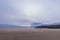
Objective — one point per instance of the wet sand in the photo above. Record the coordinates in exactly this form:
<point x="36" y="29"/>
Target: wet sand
<point x="29" y="34"/>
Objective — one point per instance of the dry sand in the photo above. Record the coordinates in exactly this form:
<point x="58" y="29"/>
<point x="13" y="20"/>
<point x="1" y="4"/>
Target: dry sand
<point x="29" y="34"/>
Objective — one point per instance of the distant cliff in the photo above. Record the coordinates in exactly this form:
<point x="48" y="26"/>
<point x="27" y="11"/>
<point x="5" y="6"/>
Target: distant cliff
<point x="49" y="26"/>
<point x="34" y="24"/>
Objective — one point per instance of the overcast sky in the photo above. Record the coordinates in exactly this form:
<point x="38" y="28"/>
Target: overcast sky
<point x="27" y="11"/>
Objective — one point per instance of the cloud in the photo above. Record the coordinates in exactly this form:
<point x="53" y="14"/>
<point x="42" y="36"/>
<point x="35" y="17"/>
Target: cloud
<point x="12" y="11"/>
<point x="48" y="12"/>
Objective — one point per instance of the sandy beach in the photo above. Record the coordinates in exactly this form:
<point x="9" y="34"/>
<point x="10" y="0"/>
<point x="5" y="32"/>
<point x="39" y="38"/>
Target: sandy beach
<point x="29" y="34"/>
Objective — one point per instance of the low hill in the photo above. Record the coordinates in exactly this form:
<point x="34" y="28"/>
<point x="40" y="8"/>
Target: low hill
<point x="9" y="26"/>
